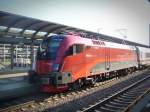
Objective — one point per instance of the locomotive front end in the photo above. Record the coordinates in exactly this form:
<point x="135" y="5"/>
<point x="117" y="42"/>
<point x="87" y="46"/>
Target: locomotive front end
<point x="49" y="61"/>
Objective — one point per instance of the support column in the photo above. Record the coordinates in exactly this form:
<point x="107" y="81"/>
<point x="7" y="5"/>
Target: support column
<point x="32" y="54"/>
<point x="12" y="56"/>
<point x="16" y="63"/>
<point x="26" y="55"/>
<point x="4" y="53"/>
<point x="149" y="35"/>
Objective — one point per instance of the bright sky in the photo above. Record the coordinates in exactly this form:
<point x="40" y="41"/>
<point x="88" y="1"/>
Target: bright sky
<point x="105" y="16"/>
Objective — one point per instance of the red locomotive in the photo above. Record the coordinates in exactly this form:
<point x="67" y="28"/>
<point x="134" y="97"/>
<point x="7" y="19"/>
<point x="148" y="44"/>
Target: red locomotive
<point x="70" y="61"/>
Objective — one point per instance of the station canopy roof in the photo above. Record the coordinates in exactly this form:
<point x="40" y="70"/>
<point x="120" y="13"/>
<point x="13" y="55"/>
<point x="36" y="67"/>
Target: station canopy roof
<point x="25" y="28"/>
<point x="32" y="27"/>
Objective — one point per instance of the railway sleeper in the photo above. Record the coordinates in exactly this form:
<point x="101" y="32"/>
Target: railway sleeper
<point x="134" y="92"/>
<point x="128" y="97"/>
<point x="114" y="107"/>
<point x="129" y="94"/>
<point x="137" y="92"/>
<point x="118" y="104"/>
<point x="97" y="111"/>
<point x="142" y="88"/>
<point x="122" y="102"/>
<point x="125" y="100"/>
<point x="106" y="109"/>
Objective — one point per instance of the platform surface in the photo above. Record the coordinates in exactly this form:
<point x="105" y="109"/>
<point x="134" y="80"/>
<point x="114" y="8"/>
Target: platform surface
<point x="15" y="86"/>
<point x="13" y="75"/>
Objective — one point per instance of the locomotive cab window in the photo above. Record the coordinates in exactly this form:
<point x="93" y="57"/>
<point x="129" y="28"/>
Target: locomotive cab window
<point x="75" y="49"/>
<point x="78" y="48"/>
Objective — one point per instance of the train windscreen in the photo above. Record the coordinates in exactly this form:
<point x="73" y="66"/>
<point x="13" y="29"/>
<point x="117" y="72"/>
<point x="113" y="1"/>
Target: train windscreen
<point x="48" y="49"/>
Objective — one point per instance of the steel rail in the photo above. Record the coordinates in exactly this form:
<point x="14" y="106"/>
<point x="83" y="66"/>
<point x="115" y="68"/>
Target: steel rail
<point x="116" y="96"/>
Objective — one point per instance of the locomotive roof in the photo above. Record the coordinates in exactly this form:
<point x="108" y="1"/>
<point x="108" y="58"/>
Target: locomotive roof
<point x="98" y="43"/>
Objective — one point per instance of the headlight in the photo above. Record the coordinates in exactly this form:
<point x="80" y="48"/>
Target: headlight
<point x="55" y="67"/>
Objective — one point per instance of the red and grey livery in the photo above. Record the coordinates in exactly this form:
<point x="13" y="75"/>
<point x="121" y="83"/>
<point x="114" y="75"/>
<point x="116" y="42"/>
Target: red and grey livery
<point x="68" y="61"/>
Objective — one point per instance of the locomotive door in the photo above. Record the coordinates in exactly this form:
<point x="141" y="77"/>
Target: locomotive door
<point x="107" y="58"/>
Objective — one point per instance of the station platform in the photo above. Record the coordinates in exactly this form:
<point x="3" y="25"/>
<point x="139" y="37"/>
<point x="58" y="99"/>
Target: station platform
<point x="15" y="70"/>
<point x="15" y="85"/>
<point x="13" y="75"/>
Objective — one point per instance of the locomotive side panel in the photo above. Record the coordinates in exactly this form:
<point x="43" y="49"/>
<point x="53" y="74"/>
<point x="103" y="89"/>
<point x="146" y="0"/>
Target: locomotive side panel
<point x="115" y="59"/>
<point x="95" y="60"/>
<point x="74" y="64"/>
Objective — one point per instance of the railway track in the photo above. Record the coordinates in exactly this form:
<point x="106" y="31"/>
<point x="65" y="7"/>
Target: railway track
<point x="123" y="100"/>
<point x="42" y="103"/>
<point x="19" y="106"/>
